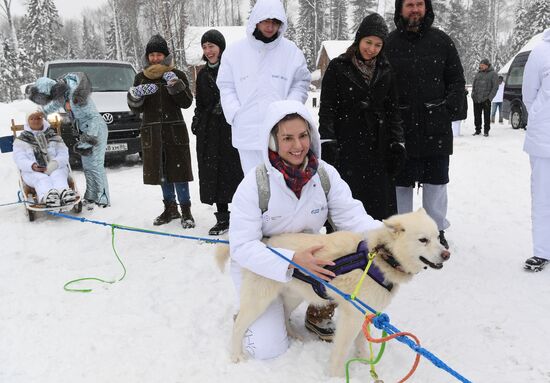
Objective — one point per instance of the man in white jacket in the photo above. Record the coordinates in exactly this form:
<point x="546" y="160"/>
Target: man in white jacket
<point x="257" y="70"/>
<point x="536" y="96"/>
<point x="287" y="213"/>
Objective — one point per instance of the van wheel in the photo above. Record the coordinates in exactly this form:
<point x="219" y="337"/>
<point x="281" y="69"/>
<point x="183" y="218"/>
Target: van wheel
<point x="516" y="118"/>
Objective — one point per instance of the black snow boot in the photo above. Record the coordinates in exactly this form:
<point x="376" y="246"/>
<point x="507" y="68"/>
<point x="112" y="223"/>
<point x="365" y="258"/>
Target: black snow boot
<point x="443" y="240"/>
<point x="535" y="263"/>
<point x="222" y="224"/>
<point x="187" y="220"/>
<point x="170" y="212"/>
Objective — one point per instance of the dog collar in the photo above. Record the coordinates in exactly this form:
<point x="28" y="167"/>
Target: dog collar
<point x="346" y="264"/>
<point x="387" y="256"/>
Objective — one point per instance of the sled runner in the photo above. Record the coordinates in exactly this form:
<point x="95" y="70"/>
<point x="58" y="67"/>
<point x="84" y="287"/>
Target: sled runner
<point x="28" y="194"/>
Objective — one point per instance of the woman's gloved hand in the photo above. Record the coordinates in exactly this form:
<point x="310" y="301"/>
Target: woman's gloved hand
<point x="142" y="90"/>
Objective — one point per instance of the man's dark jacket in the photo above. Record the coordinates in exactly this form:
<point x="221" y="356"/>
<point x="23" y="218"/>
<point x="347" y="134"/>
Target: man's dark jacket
<point x="430" y="82"/>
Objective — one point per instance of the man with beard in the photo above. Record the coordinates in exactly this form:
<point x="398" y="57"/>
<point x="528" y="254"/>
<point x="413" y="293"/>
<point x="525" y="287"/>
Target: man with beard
<point x="430" y="81"/>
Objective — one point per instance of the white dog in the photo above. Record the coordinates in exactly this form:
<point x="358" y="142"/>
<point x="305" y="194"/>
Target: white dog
<point x="405" y="245"/>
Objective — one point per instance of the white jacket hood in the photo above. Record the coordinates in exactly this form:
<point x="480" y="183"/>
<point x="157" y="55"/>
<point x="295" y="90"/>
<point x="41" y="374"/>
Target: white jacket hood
<point x="44" y="127"/>
<point x="263" y="10"/>
<point x="275" y="112"/>
<point x="546" y="35"/>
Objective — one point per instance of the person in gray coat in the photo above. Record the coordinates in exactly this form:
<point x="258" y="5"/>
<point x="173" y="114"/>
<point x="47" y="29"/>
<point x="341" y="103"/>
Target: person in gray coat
<point x="484" y="89"/>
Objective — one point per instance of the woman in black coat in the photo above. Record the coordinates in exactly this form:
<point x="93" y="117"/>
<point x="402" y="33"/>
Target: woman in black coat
<point x="219" y="166"/>
<point x="359" y="115"/>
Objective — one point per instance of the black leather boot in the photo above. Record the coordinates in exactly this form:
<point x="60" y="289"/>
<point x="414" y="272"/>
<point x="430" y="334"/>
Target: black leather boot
<point x="222" y="224"/>
<point x="170" y="213"/>
<point x="187" y="220"/>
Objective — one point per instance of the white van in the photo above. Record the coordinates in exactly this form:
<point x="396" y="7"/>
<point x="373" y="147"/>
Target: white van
<point x="110" y="82"/>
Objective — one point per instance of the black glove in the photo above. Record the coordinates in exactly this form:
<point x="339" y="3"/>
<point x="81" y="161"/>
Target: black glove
<point x="83" y="151"/>
<point x="85" y="137"/>
<point x="330" y="152"/>
<point x="396" y="158"/>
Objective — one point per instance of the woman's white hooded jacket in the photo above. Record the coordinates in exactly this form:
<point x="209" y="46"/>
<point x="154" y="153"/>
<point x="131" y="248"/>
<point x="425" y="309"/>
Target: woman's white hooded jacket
<point x="23" y="153"/>
<point x="536" y="96"/>
<point x="253" y="74"/>
<point x="286" y="213"/>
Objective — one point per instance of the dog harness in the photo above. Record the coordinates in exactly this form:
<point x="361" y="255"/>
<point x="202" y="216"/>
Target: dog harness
<point x="346" y="264"/>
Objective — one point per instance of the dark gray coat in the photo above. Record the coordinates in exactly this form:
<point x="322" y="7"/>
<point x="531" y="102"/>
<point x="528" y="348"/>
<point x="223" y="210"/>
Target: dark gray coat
<point x="485" y="85"/>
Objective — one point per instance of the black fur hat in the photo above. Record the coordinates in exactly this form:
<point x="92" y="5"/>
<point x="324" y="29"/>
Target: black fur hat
<point x="157" y="44"/>
<point x="215" y="37"/>
<point x="372" y="25"/>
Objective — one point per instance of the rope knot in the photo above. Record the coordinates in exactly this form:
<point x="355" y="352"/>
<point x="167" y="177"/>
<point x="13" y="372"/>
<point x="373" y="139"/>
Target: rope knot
<point x="381" y="321"/>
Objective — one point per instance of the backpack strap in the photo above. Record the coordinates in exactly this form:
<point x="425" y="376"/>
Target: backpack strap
<point x="262" y="180"/>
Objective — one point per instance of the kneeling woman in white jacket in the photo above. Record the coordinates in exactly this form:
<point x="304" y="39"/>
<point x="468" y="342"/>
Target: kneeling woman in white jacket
<point x="42" y="157"/>
<point x="297" y="204"/>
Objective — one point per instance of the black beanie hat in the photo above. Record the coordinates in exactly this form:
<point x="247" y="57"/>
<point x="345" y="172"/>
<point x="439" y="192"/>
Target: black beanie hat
<point x="157" y="44"/>
<point x="486" y="62"/>
<point x="215" y="37"/>
<point x="372" y="25"/>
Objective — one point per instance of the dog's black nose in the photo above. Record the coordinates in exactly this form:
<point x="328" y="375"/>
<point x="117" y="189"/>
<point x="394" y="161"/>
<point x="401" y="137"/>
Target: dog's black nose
<point x="445" y="254"/>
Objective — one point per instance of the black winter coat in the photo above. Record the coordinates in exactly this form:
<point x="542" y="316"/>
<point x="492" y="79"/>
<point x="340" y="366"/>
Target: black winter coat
<point x="220" y="171"/>
<point x="164" y="138"/>
<point x="364" y="119"/>
<point x="430" y="81"/>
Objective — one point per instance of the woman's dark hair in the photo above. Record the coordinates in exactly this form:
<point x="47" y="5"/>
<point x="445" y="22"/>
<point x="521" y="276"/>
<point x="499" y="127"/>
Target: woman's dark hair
<point x="289" y="117"/>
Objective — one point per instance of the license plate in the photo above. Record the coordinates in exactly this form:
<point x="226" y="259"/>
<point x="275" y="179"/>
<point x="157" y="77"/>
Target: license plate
<point x="117" y="147"/>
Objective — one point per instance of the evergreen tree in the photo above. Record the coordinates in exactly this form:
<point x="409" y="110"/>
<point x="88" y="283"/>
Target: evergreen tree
<point x="359" y="10"/>
<point x="538" y="14"/>
<point x="521" y="32"/>
<point x="42" y="33"/>
<point x="457" y="27"/>
<point x="91" y="44"/>
<point x="442" y="14"/>
<point x="9" y="76"/>
<point x="290" y="32"/>
<point x="310" y="33"/>
<point x="481" y="44"/>
<point x="338" y="20"/>
<point x="111" y="48"/>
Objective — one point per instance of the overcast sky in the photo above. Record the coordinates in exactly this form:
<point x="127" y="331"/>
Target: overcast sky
<point x="68" y="9"/>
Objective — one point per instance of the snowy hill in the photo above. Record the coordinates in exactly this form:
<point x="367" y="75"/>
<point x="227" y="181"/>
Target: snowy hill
<point x="169" y="320"/>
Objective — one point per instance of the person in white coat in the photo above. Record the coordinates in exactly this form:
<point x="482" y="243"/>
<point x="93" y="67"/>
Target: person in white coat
<point x="261" y="68"/>
<point x="536" y="96"/>
<point x="42" y="157"/>
<point x="297" y="204"/>
<point x="497" y="101"/>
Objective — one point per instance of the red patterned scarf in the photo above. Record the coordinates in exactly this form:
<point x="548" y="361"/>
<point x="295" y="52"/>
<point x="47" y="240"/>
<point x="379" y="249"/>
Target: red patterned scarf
<point x="295" y="178"/>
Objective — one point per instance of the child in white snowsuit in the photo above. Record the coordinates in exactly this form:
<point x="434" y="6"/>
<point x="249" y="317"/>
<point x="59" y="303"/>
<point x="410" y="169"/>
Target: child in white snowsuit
<point x="42" y="158"/>
<point x="72" y="92"/>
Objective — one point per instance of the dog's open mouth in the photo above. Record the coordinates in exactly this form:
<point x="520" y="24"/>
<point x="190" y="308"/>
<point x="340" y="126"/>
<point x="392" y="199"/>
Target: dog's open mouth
<point x="436" y="266"/>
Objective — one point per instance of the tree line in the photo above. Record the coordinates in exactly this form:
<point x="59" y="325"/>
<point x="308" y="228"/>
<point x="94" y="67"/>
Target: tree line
<point x="493" y="29"/>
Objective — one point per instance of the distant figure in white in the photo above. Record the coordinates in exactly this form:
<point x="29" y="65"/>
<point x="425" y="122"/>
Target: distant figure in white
<point x="257" y="70"/>
<point x="536" y="96"/>
<point x="497" y="102"/>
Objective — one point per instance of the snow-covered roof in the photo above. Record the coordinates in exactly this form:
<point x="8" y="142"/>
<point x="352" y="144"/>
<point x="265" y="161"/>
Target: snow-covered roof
<point x="527" y="47"/>
<point x="193" y="49"/>
<point x="334" y="48"/>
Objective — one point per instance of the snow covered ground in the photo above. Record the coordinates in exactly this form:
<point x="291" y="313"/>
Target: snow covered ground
<point x="170" y="318"/>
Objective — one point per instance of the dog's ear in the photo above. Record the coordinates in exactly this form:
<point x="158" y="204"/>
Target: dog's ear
<point x="421" y="210"/>
<point x="393" y="225"/>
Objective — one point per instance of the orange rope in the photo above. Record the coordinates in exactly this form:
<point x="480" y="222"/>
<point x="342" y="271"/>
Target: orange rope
<point x="366" y="331"/>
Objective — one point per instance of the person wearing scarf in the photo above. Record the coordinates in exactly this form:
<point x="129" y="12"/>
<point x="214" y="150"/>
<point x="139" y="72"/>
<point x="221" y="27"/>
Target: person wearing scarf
<point x="42" y="158"/>
<point x="219" y="167"/>
<point x="159" y="93"/>
<point x="359" y="117"/>
<point x="297" y="204"/>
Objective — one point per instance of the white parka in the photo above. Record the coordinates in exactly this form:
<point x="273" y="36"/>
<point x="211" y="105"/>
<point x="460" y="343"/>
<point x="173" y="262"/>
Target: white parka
<point x="536" y="96"/>
<point x="23" y="153"/>
<point x="286" y="213"/>
<point x="252" y="74"/>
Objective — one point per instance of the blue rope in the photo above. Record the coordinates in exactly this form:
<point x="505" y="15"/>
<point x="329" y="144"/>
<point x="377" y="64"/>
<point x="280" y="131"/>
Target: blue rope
<point x="381" y="321"/>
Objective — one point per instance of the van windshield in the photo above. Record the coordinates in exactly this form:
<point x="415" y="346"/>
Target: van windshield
<point x="515" y="76"/>
<point x="105" y="77"/>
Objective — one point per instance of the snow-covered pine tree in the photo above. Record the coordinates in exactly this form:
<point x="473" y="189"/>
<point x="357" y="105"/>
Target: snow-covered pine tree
<point x="42" y="33"/>
<point x="310" y="33"/>
<point x="290" y="32"/>
<point x="9" y="80"/>
<point x="338" y="20"/>
<point x="481" y="45"/>
<point x="457" y="27"/>
<point x="442" y="12"/>
<point x="91" y="44"/>
<point x="359" y="10"/>
<point x="538" y="14"/>
<point x="69" y="42"/>
<point x="111" y="47"/>
<point x="522" y="31"/>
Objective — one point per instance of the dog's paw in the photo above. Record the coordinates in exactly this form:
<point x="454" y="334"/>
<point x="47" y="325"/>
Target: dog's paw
<point x="238" y="357"/>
